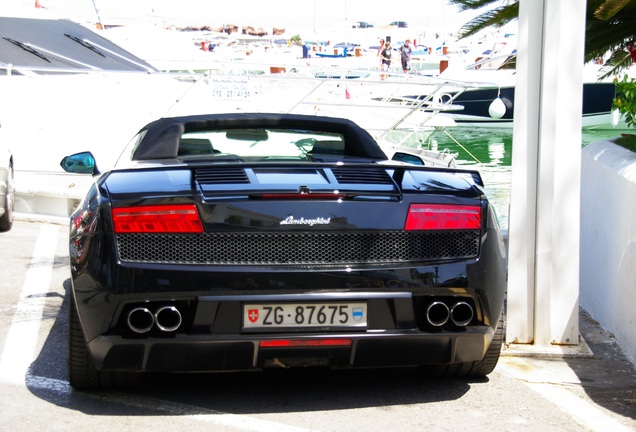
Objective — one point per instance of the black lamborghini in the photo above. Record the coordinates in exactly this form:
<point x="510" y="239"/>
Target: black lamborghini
<point x="234" y="242"/>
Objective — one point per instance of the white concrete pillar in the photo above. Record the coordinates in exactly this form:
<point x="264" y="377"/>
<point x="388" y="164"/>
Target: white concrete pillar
<point x="543" y="281"/>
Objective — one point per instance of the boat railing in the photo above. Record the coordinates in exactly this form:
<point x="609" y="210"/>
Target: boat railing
<point x="406" y="104"/>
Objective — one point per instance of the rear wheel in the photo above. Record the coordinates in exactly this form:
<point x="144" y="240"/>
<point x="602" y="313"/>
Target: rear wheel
<point x="6" y="220"/>
<point x="478" y="368"/>
<point x="82" y="373"/>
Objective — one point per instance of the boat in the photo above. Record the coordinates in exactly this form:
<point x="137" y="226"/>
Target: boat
<point x="268" y="82"/>
<point x="94" y="87"/>
<point x="280" y="80"/>
<point x="486" y="91"/>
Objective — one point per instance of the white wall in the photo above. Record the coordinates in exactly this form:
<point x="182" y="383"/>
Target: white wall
<point x="608" y="240"/>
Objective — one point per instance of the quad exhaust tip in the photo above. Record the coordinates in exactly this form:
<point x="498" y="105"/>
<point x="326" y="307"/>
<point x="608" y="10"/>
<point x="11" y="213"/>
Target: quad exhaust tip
<point x="166" y="318"/>
<point x="140" y="320"/>
<point x="437" y="313"/>
<point x="460" y="314"/>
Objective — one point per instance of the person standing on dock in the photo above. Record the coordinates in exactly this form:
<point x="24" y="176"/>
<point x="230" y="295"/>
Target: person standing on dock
<point x="380" y="47"/>
<point x="379" y="53"/>
<point x="385" y="57"/>
<point x="405" y="54"/>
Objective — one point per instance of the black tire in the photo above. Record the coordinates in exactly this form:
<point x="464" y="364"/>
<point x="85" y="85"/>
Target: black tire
<point x="478" y="368"/>
<point x="82" y="373"/>
<point x="6" y="220"/>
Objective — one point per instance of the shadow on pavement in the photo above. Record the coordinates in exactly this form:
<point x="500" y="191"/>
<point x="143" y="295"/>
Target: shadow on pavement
<point x="609" y="378"/>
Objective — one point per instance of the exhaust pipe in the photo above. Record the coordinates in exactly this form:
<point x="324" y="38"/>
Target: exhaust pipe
<point x="168" y="318"/>
<point x="140" y="320"/>
<point x="461" y="314"/>
<point x="437" y="313"/>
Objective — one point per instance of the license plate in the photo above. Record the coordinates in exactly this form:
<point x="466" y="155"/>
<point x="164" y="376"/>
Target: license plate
<point x="304" y="315"/>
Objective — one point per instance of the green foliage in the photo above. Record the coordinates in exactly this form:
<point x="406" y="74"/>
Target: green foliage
<point x="609" y="8"/>
<point x="496" y="15"/>
<point x="625" y="100"/>
<point x="609" y="27"/>
<point x="296" y="40"/>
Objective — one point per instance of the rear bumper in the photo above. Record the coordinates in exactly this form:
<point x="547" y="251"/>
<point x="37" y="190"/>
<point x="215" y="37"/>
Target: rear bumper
<point x="212" y="337"/>
<point x="198" y="353"/>
<point x="398" y="334"/>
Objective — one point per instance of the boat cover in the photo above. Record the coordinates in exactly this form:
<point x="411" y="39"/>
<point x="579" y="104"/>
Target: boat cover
<point x="59" y="45"/>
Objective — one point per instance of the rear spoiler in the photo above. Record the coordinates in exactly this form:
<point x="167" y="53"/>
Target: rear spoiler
<point x="471" y="176"/>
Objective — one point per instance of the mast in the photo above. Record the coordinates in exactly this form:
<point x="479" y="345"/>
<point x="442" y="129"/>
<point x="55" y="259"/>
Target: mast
<point x="99" y="19"/>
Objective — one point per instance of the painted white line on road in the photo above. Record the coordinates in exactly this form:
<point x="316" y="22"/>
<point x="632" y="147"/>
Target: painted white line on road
<point x="585" y="413"/>
<point x="205" y="415"/>
<point x="19" y="348"/>
<point x="545" y="383"/>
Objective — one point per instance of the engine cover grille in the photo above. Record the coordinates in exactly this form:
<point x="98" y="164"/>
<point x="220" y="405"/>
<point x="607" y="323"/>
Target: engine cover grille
<point x="298" y="248"/>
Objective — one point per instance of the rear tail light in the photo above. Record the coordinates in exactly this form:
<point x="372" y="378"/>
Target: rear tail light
<point x="442" y="217"/>
<point x="157" y="219"/>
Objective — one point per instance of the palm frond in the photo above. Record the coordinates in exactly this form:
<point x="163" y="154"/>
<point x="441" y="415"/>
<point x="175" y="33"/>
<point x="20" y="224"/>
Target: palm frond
<point x="497" y="17"/>
<point x="614" y="34"/>
<point x="609" y="26"/>
<point x="618" y="61"/>
<point x="472" y="4"/>
<point x="609" y="8"/>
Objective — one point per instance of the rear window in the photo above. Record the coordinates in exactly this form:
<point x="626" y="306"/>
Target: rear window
<point x="258" y="144"/>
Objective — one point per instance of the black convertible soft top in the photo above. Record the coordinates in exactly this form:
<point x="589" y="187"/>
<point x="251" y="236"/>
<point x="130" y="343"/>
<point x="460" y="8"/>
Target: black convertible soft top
<point x="161" y="138"/>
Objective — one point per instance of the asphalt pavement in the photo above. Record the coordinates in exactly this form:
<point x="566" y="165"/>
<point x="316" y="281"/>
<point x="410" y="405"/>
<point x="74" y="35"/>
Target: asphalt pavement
<point x="601" y="374"/>
<point x="592" y="390"/>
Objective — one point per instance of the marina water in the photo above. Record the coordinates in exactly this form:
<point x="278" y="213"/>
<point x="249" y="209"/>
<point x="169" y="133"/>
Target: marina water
<point x="490" y="152"/>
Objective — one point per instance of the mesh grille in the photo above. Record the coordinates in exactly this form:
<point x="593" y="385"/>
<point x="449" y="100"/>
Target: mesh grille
<point x="298" y="248"/>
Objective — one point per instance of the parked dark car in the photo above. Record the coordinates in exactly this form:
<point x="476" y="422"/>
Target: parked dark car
<point x="234" y="242"/>
<point x="7" y="188"/>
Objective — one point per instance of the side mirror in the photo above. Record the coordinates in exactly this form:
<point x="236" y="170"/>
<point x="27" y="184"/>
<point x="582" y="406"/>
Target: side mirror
<point x="408" y="158"/>
<point x="80" y="163"/>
